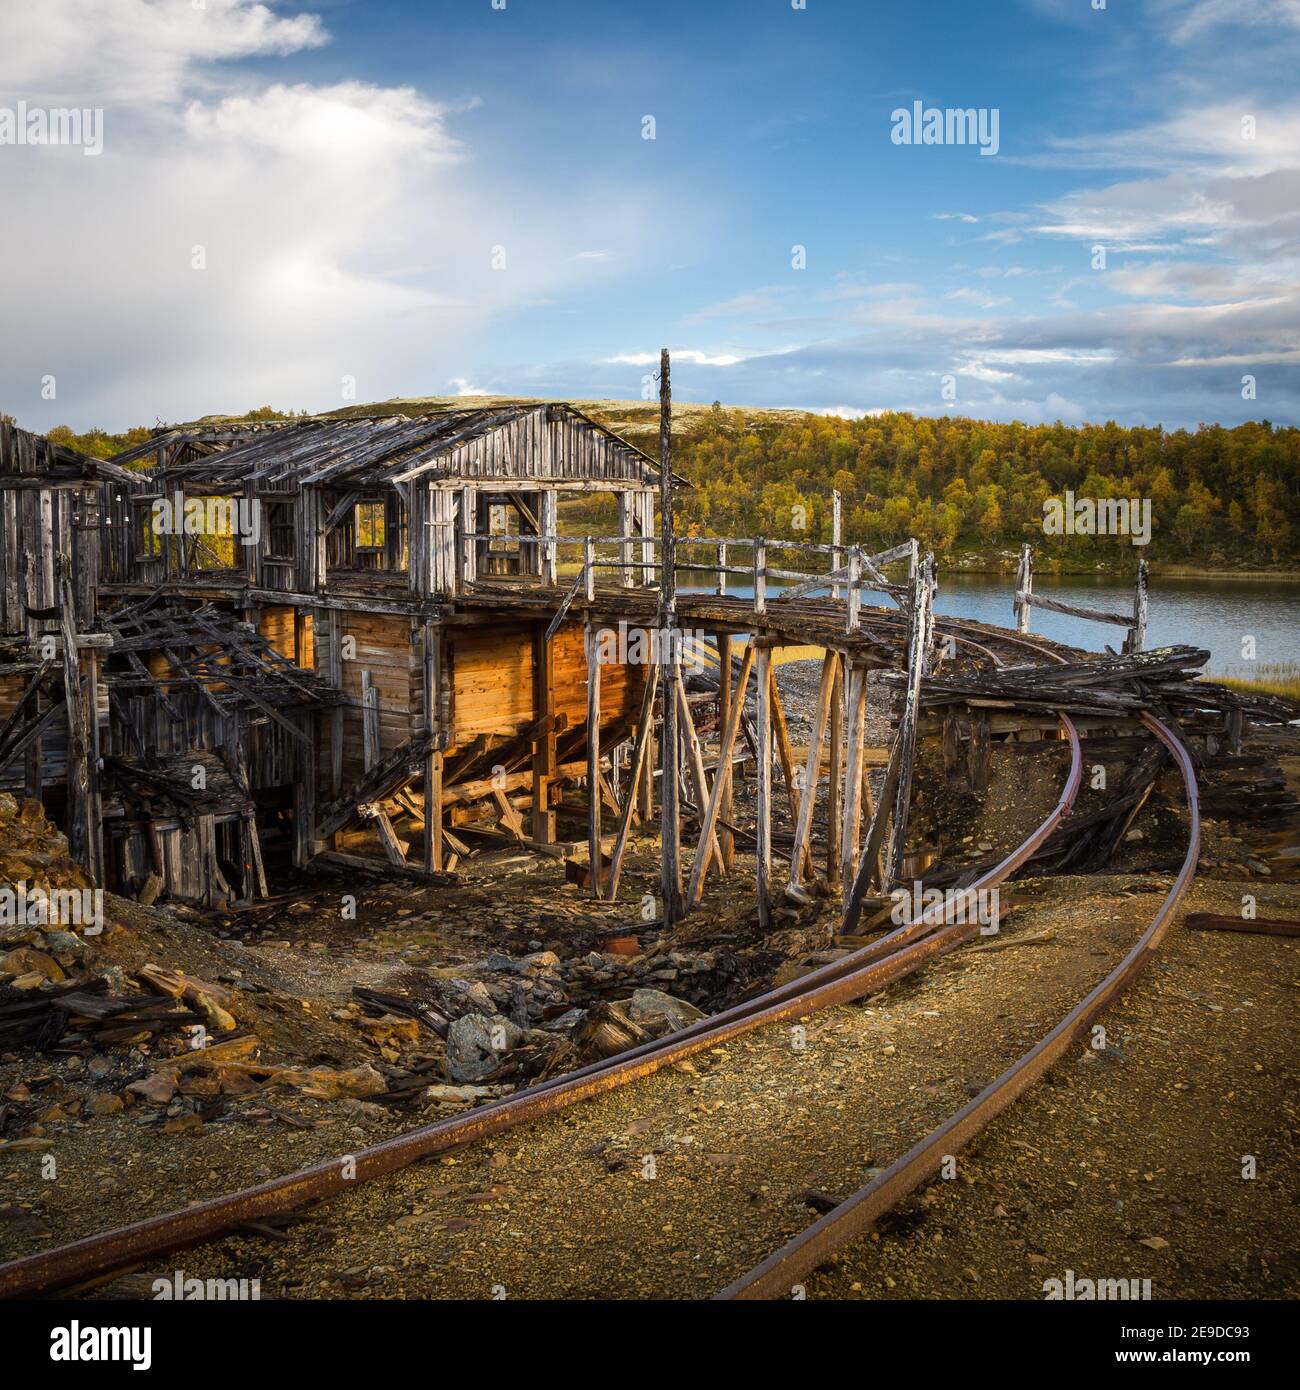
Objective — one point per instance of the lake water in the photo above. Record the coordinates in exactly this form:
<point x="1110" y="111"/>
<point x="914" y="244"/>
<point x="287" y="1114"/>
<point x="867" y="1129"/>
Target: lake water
<point x="1212" y="613"/>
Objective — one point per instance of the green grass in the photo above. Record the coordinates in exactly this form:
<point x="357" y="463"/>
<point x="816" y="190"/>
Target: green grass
<point x="1281" y="678"/>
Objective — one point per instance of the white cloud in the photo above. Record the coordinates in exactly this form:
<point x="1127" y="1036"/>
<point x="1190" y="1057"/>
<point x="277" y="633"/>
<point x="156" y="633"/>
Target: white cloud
<point x="137" y="50"/>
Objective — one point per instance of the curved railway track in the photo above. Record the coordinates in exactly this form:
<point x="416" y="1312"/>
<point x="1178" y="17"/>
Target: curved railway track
<point x="863" y="972"/>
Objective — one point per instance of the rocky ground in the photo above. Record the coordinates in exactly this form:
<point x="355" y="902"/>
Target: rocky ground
<point x="327" y="1029"/>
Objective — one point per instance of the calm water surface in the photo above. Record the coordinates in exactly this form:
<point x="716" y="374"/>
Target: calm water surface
<point x="1212" y="613"/>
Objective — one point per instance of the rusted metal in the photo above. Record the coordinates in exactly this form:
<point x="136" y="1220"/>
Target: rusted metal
<point x="865" y="971"/>
<point x="1258" y="926"/>
<point x="777" y="1275"/>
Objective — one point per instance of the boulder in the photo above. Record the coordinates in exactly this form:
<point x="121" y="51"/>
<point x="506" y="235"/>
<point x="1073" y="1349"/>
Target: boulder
<point x="476" y="1044"/>
<point x="652" y="1008"/>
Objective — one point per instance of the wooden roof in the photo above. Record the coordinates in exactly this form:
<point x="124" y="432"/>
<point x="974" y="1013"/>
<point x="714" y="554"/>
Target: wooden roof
<point x="373" y="451"/>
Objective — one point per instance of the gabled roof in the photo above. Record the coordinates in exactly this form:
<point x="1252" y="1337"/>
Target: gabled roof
<point x="41" y="460"/>
<point x="371" y="451"/>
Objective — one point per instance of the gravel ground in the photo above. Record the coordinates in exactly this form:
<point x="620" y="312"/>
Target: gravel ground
<point x="676" y="1185"/>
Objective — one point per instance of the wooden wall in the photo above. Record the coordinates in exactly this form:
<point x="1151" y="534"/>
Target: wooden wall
<point x="492" y="681"/>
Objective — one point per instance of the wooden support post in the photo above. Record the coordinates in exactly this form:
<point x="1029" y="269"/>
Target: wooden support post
<point x="721" y="585"/>
<point x="636" y="776"/>
<point x="784" y="749"/>
<point x="85" y="836"/>
<point x="760" y="576"/>
<point x="544" y="747"/>
<point x="856" y="708"/>
<point x="837" y="557"/>
<point x="336" y="713"/>
<point x="763" y="848"/>
<point x="722" y="777"/>
<point x="433" y="762"/>
<point x="726" y="840"/>
<point x="670" y="876"/>
<point x="626" y="528"/>
<point x="853" y="618"/>
<point x="593" y="755"/>
<point x="370" y="745"/>
<point x="644" y="791"/>
<point x="907" y="727"/>
<point x="589" y="569"/>
<point x="1138" y="632"/>
<point x="549" y="521"/>
<point x="834" y="791"/>
<point x="697" y="777"/>
<point x="800" y="854"/>
<point x="1024" y="587"/>
<point x="870" y="866"/>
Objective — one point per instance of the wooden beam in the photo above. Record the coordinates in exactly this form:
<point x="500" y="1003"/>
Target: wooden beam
<point x="593" y="755"/>
<point x="834" y="793"/>
<point x="856" y="709"/>
<point x="544" y="746"/>
<point x="799" y="853"/>
<point x="698" y="777"/>
<point x="726" y="840"/>
<point x="636" y="776"/>
<point x="722" y="777"/>
<point x="763" y="849"/>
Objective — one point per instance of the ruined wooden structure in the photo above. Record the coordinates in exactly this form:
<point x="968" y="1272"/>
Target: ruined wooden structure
<point x="375" y="639"/>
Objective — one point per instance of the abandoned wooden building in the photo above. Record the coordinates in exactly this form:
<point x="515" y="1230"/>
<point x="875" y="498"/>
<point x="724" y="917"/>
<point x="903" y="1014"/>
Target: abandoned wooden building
<point x="272" y="628"/>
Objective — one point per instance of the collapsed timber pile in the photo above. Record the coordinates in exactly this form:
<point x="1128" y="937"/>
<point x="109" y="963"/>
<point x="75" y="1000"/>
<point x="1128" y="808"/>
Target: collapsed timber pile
<point x="967" y="714"/>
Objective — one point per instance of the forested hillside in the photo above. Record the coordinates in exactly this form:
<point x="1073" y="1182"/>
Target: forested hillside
<point x="1227" y="498"/>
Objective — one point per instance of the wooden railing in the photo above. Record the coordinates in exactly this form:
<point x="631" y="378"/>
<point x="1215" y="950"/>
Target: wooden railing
<point x="1136" y="622"/>
<point x="853" y="570"/>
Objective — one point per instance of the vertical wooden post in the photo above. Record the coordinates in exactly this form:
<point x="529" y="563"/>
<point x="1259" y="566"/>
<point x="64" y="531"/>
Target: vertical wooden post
<point x="853" y="616"/>
<point x="856" y="710"/>
<point x="593" y="754"/>
<point x="1138" y="632"/>
<point x="544" y="748"/>
<point x="1024" y="587"/>
<point x="834" y="791"/>
<point x="726" y="840"/>
<point x="670" y="877"/>
<point x="760" y="576"/>
<point x="589" y="568"/>
<point x="812" y="775"/>
<point x="636" y="776"/>
<point x="837" y="558"/>
<point x="626" y="527"/>
<point x="433" y="667"/>
<point x="336" y="713"/>
<point x="469" y="529"/>
<point x="763" y="849"/>
<point x="907" y="727"/>
<point x="644" y="788"/>
<point x="548" y="517"/>
<point x="696" y="776"/>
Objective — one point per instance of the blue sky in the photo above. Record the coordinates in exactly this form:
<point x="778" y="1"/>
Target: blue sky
<point x="298" y="201"/>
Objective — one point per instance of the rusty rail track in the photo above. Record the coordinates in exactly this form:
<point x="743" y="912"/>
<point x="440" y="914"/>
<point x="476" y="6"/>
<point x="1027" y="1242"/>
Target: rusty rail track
<point x="797" y="1258"/>
<point x="863" y="972"/>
